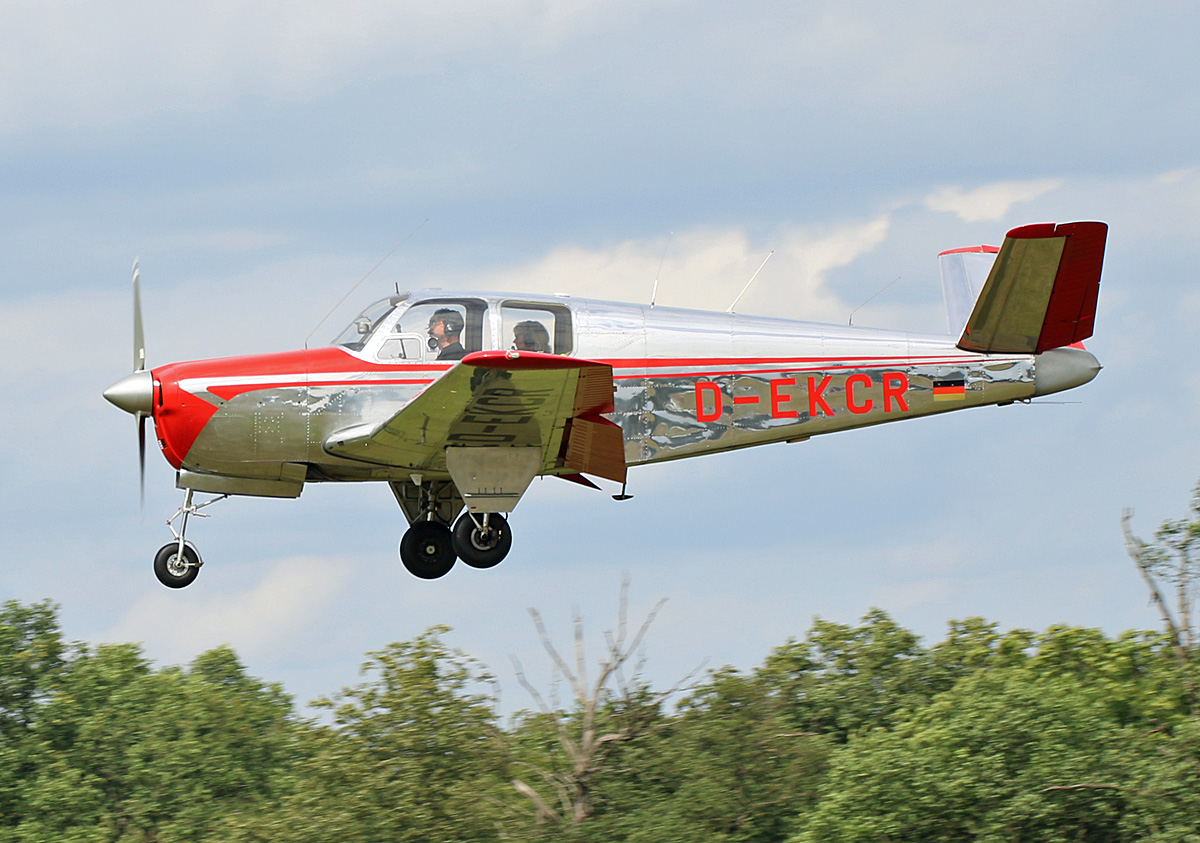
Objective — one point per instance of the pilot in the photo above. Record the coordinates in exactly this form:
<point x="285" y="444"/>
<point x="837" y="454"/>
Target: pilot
<point x="531" y="336"/>
<point x="445" y="328"/>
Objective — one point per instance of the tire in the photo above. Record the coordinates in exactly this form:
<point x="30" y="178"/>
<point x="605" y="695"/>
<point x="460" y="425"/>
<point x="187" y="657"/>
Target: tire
<point x="170" y="571"/>
<point x="427" y="550"/>
<point x="478" y="548"/>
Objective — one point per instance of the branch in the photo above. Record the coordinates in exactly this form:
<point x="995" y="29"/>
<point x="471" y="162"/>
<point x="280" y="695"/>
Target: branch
<point x="548" y="646"/>
<point x="1082" y="786"/>
<point x="544" y="811"/>
<point x="532" y="691"/>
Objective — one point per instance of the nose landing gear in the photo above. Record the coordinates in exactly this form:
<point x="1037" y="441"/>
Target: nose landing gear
<point x="177" y="563"/>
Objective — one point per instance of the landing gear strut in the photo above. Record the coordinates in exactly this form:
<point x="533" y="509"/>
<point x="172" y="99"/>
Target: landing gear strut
<point x="177" y="563"/>
<point x="426" y="548"/>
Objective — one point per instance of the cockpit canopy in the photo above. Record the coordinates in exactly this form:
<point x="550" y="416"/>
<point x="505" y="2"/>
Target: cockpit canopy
<point x="446" y="327"/>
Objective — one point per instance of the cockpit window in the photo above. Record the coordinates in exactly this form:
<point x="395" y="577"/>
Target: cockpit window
<point x="536" y="326"/>
<point x="357" y="333"/>
<point x="450" y="328"/>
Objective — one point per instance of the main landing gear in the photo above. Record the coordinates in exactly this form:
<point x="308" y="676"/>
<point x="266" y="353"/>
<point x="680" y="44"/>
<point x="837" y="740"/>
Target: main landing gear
<point x="177" y="563"/>
<point x="430" y="547"/>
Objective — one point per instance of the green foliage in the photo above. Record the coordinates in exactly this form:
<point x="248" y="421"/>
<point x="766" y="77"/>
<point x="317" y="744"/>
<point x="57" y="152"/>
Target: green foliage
<point x="842" y="679"/>
<point x="415" y="755"/>
<point x="858" y="732"/>
<point x="1037" y="744"/>
<point x="1164" y="791"/>
<point x="978" y="764"/>
<point x="31" y="653"/>
<point x="731" y="768"/>
<point x="130" y="753"/>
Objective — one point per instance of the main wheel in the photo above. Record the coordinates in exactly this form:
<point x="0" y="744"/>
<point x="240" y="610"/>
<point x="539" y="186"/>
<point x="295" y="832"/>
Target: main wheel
<point x="482" y="547"/>
<point x="427" y="550"/>
<point x="173" y="571"/>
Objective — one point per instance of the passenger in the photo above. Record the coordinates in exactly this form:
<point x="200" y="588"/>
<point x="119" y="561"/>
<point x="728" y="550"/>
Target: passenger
<point x="531" y="336"/>
<point x="445" y="329"/>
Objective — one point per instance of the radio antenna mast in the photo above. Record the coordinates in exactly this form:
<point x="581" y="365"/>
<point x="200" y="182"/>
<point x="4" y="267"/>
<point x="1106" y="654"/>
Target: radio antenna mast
<point x="654" y="291"/>
<point x="751" y="281"/>
<point x="361" y="280"/>
<point x="850" y="321"/>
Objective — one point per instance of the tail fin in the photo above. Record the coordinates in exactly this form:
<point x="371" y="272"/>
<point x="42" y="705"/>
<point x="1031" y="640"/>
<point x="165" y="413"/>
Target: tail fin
<point x="963" y="273"/>
<point x="1041" y="292"/>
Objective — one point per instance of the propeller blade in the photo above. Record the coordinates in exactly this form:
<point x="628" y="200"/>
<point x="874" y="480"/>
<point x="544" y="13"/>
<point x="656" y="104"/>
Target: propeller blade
<point x="139" y="342"/>
<point x="141" y="422"/>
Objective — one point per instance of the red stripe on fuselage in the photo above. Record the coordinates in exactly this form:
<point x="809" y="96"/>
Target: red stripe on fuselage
<point x="668" y="362"/>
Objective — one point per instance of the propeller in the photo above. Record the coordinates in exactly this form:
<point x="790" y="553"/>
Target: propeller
<point x="139" y="365"/>
<point x="139" y="341"/>
<point x="135" y="393"/>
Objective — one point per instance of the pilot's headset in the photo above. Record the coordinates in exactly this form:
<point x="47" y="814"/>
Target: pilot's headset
<point x="453" y="321"/>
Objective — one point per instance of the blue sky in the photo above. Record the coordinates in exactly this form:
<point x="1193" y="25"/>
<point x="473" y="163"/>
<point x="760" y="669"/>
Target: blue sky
<point x="260" y="160"/>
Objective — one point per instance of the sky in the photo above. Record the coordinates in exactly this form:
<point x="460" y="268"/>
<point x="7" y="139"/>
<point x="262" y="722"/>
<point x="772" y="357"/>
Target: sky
<point x="260" y="159"/>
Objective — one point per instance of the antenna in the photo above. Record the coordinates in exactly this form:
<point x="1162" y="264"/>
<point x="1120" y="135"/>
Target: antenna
<point x="654" y="291"/>
<point x="751" y="281"/>
<point x="361" y="280"/>
<point x="850" y="321"/>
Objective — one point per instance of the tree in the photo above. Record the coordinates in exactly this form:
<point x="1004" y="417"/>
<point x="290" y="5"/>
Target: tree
<point x="1164" y="797"/>
<point x="414" y="754"/>
<point x="1171" y="565"/>
<point x="840" y="679"/>
<point x="999" y="757"/>
<point x="727" y="767"/>
<point x="1058" y="740"/>
<point x="606" y="710"/>
<point x="129" y="753"/>
<point x="31" y="657"/>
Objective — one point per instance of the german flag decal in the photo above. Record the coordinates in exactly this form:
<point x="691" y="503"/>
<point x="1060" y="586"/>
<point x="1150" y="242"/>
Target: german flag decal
<point x="950" y="389"/>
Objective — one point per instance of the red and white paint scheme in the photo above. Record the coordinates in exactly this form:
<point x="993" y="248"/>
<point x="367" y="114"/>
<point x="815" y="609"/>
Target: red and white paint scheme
<point x="457" y="400"/>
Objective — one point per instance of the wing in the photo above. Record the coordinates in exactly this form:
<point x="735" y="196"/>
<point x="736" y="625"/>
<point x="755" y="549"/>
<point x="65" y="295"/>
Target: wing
<point x="1041" y="292"/>
<point x="501" y="399"/>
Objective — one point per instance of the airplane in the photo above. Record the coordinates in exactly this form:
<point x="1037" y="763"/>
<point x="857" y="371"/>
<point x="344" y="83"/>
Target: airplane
<point x="458" y="400"/>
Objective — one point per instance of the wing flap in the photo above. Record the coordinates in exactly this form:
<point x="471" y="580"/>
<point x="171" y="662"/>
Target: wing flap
<point x="596" y="446"/>
<point x="1041" y="292"/>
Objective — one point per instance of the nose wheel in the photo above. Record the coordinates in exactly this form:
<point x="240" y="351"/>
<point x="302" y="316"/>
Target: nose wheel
<point x="175" y="569"/>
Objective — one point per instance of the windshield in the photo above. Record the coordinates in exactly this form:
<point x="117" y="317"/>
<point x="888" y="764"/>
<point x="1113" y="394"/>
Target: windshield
<point x="357" y="333"/>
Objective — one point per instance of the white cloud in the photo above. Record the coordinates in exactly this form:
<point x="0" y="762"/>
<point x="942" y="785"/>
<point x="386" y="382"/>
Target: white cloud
<point x="990" y="202"/>
<point x="706" y="269"/>
<point x="273" y="619"/>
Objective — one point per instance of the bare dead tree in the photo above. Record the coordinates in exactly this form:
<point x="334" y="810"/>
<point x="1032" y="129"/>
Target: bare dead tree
<point x="1172" y="565"/>
<point x="578" y="729"/>
<point x="1151" y="564"/>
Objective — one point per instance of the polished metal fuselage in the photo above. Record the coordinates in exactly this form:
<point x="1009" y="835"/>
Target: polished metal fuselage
<point x="686" y="383"/>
